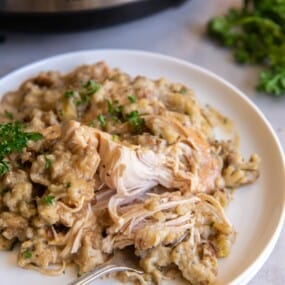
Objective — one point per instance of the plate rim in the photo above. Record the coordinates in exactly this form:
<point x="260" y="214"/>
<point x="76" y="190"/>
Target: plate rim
<point x="261" y="258"/>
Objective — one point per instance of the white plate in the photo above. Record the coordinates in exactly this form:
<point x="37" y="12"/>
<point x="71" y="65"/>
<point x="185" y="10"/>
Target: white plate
<point x="257" y="211"/>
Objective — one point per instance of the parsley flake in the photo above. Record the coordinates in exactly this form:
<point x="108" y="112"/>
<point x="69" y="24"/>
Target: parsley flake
<point x="8" y="115"/>
<point x="91" y="87"/>
<point x="115" y="110"/>
<point x="34" y="136"/>
<point x="27" y="254"/>
<point x="102" y="120"/>
<point x="48" y="200"/>
<point x="48" y="162"/>
<point x="78" y="102"/>
<point x="92" y="124"/>
<point x="212" y="224"/>
<point x="134" y="118"/>
<point x="115" y="137"/>
<point x="110" y="106"/>
<point x="132" y="98"/>
<point x="183" y="90"/>
<point x="69" y="94"/>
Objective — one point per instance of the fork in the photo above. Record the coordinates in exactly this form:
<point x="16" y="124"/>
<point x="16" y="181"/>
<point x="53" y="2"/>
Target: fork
<point x="123" y="260"/>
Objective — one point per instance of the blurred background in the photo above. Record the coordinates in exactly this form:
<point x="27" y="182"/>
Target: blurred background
<point x="33" y="30"/>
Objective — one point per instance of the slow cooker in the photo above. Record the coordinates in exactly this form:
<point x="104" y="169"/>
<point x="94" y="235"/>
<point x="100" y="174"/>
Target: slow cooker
<point x="62" y="14"/>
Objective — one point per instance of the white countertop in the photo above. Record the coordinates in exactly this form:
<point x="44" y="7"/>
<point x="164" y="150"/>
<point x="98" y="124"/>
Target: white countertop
<point x="178" y="32"/>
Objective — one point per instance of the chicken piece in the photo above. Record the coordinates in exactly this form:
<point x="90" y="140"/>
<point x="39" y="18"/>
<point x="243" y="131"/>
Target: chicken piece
<point x="132" y="170"/>
<point x="128" y="170"/>
<point x="195" y="148"/>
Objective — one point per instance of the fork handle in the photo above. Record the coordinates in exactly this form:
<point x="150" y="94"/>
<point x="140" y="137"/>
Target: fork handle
<point x="93" y="274"/>
<point x="98" y="272"/>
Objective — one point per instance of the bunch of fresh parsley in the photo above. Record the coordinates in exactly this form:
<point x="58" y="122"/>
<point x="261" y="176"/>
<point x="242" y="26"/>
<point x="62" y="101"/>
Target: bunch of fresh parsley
<point x="256" y="33"/>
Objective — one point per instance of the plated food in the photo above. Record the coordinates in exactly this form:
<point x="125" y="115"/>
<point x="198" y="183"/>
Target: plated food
<point x="103" y="161"/>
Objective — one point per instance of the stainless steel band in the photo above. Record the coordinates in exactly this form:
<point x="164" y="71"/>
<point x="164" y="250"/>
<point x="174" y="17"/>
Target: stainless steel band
<point x="52" y="6"/>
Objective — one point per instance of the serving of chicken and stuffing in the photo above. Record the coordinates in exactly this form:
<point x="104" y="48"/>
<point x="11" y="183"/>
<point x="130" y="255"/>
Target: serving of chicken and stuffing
<point x="95" y="161"/>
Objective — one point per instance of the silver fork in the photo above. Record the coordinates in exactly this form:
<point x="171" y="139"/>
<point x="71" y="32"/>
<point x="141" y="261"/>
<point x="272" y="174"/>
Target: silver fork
<point x="123" y="260"/>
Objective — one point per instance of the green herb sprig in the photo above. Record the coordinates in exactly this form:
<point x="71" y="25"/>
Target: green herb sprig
<point x="91" y="87"/>
<point x="132" y="98"/>
<point x="48" y="162"/>
<point x="27" y="254"/>
<point x="48" y="200"/>
<point x="115" y="110"/>
<point x="70" y="94"/>
<point x="135" y="119"/>
<point x="13" y="139"/>
<point x="256" y="34"/>
<point x="115" y="137"/>
<point x="8" y="115"/>
<point x="102" y="121"/>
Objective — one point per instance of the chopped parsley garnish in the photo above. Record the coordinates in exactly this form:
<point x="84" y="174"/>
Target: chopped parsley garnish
<point x="110" y="106"/>
<point x="85" y="98"/>
<point x="33" y="136"/>
<point x="102" y="120"/>
<point x="212" y="224"/>
<point x="48" y="200"/>
<point x="78" y="102"/>
<point x="8" y="115"/>
<point x="118" y="110"/>
<point x="27" y="254"/>
<point x="69" y="94"/>
<point x="48" y="162"/>
<point x="68" y="184"/>
<point x="183" y="90"/>
<point x="4" y="167"/>
<point x="115" y="137"/>
<point x="13" y="139"/>
<point x="115" y="110"/>
<point x="92" y="124"/>
<point x="91" y="87"/>
<point x="132" y="98"/>
<point x="134" y="118"/>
